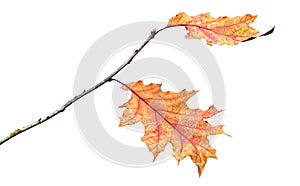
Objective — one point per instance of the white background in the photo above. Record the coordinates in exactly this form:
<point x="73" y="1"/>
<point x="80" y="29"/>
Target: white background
<point x="41" y="45"/>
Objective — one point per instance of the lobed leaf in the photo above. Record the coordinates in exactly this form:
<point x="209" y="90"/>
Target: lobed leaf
<point x="168" y="119"/>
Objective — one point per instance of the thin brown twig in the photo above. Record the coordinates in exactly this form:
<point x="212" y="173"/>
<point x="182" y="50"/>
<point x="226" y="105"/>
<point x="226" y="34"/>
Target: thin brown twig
<point x="84" y="93"/>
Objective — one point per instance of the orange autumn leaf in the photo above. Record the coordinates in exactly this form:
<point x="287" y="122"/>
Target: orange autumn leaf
<point x="221" y="30"/>
<point x="168" y="119"/>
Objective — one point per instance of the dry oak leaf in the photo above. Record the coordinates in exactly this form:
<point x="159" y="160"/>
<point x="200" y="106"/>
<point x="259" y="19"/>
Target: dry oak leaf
<point x="167" y="118"/>
<point x="221" y="30"/>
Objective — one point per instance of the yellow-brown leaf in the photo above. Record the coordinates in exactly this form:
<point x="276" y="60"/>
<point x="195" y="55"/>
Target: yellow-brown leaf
<point x="221" y="30"/>
<point x="167" y="118"/>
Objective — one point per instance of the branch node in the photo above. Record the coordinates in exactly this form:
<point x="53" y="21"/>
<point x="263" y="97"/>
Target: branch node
<point x="17" y="131"/>
<point x="153" y="32"/>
